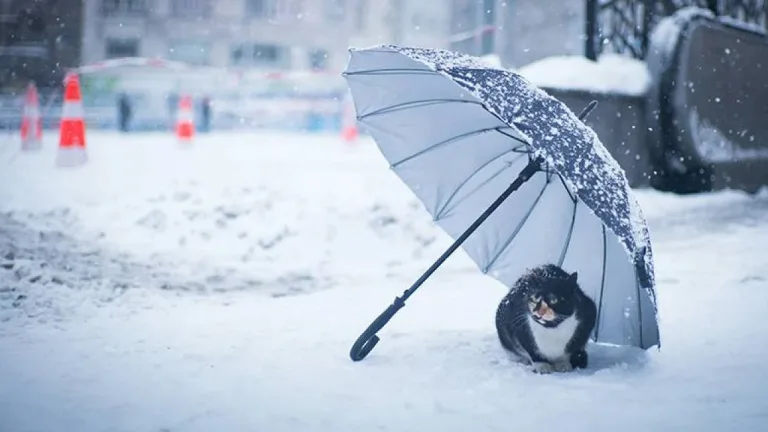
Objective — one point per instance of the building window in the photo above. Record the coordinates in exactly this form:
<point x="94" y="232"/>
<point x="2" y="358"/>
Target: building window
<point x="261" y="55"/>
<point x="335" y="10"/>
<point x="267" y="53"/>
<point x="318" y="59"/>
<point x="28" y="26"/>
<point x="287" y="10"/>
<point x="123" y="7"/>
<point x="195" y="53"/>
<point x="117" y="48"/>
<point x="263" y="9"/>
<point x="191" y="9"/>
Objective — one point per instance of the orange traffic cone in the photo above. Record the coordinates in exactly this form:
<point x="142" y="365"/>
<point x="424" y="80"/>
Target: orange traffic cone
<point x="185" y="127"/>
<point x="31" y="122"/>
<point x="349" y="132"/>
<point x="72" y="128"/>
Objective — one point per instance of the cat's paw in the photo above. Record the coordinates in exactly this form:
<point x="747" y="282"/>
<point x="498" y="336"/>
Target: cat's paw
<point x="563" y="365"/>
<point x="542" y="368"/>
<point x="579" y="359"/>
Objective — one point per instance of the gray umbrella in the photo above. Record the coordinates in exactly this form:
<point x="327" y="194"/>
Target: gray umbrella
<point x="464" y="136"/>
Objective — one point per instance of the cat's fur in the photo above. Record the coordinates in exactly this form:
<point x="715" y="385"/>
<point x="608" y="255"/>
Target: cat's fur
<point x="546" y="319"/>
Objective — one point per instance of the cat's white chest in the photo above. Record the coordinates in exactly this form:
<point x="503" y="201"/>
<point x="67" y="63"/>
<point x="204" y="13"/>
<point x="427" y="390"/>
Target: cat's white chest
<point x="552" y="341"/>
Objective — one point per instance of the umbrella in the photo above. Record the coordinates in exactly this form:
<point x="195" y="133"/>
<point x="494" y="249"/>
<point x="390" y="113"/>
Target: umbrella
<point x="463" y="136"/>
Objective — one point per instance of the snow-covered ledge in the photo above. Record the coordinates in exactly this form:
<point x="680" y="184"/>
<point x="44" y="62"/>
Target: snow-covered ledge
<point x="611" y="73"/>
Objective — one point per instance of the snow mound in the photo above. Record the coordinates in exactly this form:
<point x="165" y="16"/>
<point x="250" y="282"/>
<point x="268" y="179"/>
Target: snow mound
<point x="666" y="33"/>
<point x="611" y="73"/>
<point x="236" y="212"/>
<point x="492" y="60"/>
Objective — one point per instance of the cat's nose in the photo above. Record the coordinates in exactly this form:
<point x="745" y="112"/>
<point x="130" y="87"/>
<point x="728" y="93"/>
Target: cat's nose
<point x="542" y="310"/>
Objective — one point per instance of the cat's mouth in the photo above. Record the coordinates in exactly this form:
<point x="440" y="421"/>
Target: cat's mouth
<point x="542" y="313"/>
<point x="541" y="320"/>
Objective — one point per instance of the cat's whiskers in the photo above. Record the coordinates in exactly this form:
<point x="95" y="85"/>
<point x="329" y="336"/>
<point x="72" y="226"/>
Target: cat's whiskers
<point x="518" y="319"/>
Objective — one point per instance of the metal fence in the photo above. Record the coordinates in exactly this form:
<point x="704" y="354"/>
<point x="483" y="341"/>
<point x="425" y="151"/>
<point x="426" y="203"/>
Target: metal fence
<point x="624" y="26"/>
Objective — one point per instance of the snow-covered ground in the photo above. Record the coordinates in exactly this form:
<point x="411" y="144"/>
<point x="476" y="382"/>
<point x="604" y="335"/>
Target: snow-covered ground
<point x="219" y="287"/>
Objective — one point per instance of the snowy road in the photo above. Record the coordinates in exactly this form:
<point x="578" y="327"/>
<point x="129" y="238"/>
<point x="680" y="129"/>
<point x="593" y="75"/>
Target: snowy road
<point x="219" y="288"/>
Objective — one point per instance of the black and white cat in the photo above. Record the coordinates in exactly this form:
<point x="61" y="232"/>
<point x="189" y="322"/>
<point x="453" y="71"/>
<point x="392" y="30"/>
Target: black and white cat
<point x="546" y="319"/>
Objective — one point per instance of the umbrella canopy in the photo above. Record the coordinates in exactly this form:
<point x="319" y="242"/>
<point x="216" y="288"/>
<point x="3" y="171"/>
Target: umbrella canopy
<point x="458" y="132"/>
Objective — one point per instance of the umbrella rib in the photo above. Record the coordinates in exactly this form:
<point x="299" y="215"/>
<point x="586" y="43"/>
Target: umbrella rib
<point x="442" y="143"/>
<point x="602" y="286"/>
<point x="570" y="234"/>
<point x="455" y="192"/>
<point x="411" y="104"/>
<point x="517" y="229"/>
<point x="639" y="307"/>
<point x="392" y="71"/>
<point x="511" y="136"/>
<point x="567" y="189"/>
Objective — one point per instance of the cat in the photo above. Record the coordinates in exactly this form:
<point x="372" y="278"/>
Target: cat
<point x="546" y="319"/>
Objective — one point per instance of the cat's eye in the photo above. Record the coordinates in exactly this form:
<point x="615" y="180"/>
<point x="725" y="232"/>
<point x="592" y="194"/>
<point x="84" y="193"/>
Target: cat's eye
<point x="553" y="300"/>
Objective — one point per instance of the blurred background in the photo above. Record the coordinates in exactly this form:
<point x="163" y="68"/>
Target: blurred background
<point x="288" y="51"/>
<point x="276" y="64"/>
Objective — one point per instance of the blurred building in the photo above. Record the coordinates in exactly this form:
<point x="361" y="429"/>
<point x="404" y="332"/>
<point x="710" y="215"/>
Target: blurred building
<point x="405" y="22"/>
<point x="535" y="29"/>
<point x="518" y="31"/>
<point x="475" y="26"/>
<point x="272" y="34"/>
<point x="39" y="39"/>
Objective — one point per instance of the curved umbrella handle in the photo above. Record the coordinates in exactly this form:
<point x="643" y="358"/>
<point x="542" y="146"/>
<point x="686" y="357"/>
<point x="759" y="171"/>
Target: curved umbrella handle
<point x="368" y="339"/>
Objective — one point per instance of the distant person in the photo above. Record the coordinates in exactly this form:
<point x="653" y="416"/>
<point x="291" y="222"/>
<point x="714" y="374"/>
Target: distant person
<point x="173" y="106"/>
<point x="124" y="111"/>
<point x="205" y="113"/>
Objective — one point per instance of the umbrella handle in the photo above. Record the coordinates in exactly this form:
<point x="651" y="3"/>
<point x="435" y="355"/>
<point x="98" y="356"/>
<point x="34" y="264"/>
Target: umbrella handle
<point x="368" y="339"/>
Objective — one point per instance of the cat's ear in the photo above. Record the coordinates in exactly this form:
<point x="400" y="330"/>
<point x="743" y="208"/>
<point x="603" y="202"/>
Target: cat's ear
<point x="573" y="277"/>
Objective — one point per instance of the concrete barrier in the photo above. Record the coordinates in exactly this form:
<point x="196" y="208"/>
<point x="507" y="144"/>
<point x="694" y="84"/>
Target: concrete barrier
<point x="708" y="113"/>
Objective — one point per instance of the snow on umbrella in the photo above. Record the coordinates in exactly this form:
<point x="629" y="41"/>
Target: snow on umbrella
<point x="462" y="134"/>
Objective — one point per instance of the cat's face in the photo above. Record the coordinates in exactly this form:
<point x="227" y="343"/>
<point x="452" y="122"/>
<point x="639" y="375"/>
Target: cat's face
<point x="553" y="302"/>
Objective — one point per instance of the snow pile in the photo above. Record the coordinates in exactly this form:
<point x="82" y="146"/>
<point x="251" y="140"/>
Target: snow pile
<point x="47" y="275"/>
<point x="492" y="60"/>
<point x="666" y="33"/>
<point x="611" y="73"/>
<point x="741" y="25"/>
<point x="239" y="212"/>
<point x="714" y="146"/>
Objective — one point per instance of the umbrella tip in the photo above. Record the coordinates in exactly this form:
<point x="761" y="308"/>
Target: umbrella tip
<point x="587" y="110"/>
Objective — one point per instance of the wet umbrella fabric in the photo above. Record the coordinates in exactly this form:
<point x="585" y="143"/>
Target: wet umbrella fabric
<point x="459" y="133"/>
